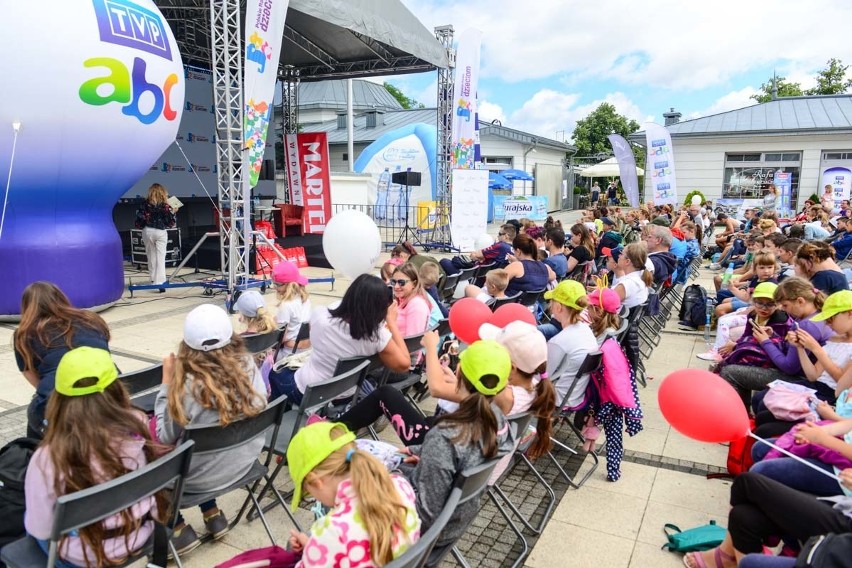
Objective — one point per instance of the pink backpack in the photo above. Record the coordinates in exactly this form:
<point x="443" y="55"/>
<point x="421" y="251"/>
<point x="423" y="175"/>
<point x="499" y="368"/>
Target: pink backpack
<point x="613" y="381"/>
<point x="268" y="557"/>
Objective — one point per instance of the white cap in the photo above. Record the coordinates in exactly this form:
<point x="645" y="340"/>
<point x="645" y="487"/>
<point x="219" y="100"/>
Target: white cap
<point x="526" y="344"/>
<point x="249" y="302"/>
<point x="207" y="327"/>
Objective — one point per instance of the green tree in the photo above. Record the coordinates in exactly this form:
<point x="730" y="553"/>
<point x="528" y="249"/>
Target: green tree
<point x="831" y="80"/>
<point x="406" y="102"/>
<point x="785" y="89"/>
<point x="590" y="133"/>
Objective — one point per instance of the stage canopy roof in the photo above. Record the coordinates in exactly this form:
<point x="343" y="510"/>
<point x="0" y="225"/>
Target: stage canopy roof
<point x="325" y="39"/>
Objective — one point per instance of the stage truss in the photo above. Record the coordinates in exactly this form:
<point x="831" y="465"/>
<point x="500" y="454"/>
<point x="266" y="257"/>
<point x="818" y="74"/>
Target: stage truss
<point x="441" y="238"/>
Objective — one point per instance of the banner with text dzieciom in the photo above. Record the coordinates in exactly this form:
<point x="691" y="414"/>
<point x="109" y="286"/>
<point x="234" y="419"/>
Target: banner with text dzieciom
<point x="469" y="206"/>
<point x="661" y="167"/>
<point x="308" y="178"/>
<point x="464" y="99"/>
<point x="626" y="168"/>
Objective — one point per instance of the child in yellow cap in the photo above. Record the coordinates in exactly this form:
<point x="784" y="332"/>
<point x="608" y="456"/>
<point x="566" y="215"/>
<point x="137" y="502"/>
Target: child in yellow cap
<point x="93" y="435"/>
<point x="373" y="517"/>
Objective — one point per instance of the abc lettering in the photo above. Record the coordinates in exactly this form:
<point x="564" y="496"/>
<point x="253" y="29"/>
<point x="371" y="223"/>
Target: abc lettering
<point x="129" y="88"/>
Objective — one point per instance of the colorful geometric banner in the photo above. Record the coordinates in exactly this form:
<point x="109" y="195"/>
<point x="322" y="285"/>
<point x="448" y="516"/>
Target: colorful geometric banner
<point x="464" y="99"/>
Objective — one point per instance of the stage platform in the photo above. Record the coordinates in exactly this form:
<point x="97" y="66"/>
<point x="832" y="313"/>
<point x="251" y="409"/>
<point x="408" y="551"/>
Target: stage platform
<point x="207" y="257"/>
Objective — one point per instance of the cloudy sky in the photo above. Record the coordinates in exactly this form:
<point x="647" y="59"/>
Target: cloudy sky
<point x="547" y="63"/>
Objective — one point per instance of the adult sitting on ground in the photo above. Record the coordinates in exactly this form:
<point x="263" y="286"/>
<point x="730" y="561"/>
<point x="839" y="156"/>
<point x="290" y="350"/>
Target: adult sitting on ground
<point x="496" y="253"/>
<point x="50" y="327"/>
<point x="815" y="261"/>
<point x="658" y="239"/>
<point x="363" y="324"/>
<point x="525" y="272"/>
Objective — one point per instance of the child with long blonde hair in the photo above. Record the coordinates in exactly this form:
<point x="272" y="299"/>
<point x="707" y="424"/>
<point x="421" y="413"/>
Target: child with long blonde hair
<point x="373" y="517"/>
<point x="212" y="380"/>
<point x="294" y="303"/>
<point x="254" y="313"/>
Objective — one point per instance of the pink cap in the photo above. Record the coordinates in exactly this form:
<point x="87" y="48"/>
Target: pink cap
<point x="285" y="272"/>
<point x="606" y="299"/>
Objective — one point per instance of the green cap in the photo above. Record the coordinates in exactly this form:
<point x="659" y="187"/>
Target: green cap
<point x="81" y="363"/>
<point x="567" y="293"/>
<point x="835" y="304"/>
<point x="765" y="290"/>
<point x="483" y="358"/>
<point x="310" y="447"/>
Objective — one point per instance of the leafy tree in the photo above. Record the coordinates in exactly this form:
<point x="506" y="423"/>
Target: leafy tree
<point x="406" y="102"/>
<point x="590" y="134"/>
<point x="831" y="80"/>
<point x="785" y="89"/>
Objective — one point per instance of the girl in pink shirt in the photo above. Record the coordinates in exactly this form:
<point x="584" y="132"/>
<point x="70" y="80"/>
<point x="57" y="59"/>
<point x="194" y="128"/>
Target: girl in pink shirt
<point x="414" y="307"/>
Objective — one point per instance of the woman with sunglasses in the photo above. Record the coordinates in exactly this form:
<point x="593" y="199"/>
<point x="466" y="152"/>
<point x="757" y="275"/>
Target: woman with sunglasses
<point x="413" y="305"/>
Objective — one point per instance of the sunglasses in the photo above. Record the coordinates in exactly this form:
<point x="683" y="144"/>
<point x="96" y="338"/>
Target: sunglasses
<point x="399" y="283"/>
<point x="765" y="305"/>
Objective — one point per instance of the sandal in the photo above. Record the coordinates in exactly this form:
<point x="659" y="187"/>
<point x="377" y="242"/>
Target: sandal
<point x="698" y="559"/>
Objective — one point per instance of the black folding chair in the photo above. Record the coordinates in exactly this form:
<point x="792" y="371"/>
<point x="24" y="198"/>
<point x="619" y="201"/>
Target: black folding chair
<point x="143" y="385"/>
<point x="591" y="363"/>
<point x="416" y="555"/>
<point x="449" y="287"/>
<point x="467" y="274"/>
<point x="89" y="506"/>
<point x="304" y="333"/>
<point x="216" y="438"/>
<point x="513" y="299"/>
<point x="262" y="342"/>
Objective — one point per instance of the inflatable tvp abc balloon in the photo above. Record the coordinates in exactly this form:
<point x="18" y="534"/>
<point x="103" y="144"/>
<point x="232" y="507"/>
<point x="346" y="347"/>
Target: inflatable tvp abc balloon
<point x="97" y="87"/>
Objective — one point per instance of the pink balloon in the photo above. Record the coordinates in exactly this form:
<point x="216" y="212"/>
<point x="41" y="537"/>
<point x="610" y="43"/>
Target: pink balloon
<point x="507" y="313"/>
<point x="703" y="406"/>
<point x="466" y="316"/>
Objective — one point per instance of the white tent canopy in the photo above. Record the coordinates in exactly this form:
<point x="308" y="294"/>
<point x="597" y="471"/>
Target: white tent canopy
<point x="607" y="168"/>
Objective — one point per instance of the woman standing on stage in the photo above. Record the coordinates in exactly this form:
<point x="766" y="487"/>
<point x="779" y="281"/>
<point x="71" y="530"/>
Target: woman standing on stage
<point x="154" y="216"/>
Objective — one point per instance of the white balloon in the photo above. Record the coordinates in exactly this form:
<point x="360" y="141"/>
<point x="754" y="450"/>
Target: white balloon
<point x="696" y="200"/>
<point x="352" y="243"/>
<point x="483" y="241"/>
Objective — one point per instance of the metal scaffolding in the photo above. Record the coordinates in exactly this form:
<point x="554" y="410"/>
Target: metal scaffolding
<point x="441" y="238"/>
<point x="227" y="67"/>
<point x="289" y="80"/>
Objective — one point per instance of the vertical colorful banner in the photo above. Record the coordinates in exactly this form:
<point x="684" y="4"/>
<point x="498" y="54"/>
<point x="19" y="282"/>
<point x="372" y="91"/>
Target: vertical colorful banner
<point x="626" y="168"/>
<point x="661" y="167"/>
<point x="264" y="32"/>
<point x="784" y="183"/>
<point x="464" y="99"/>
<point x="308" y="167"/>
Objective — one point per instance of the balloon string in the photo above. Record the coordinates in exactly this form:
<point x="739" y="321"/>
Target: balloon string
<point x="16" y="126"/>
<point x="795" y="457"/>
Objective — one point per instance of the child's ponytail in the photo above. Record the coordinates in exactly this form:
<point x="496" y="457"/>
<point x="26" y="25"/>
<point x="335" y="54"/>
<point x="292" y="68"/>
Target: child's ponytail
<point x="542" y="408"/>
<point x="379" y="505"/>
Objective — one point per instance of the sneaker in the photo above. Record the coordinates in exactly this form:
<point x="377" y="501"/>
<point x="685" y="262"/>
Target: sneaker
<point x="184" y="540"/>
<point x="715" y="266"/>
<point x="217" y="525"/>
<point x="711" y="355"/>
<point x="686" y="326"/>
<point x="314" y="418"/>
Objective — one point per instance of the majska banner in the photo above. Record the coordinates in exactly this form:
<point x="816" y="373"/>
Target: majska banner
<point x="464" y="99"/>
<point x="661" y="167"/>
<point x="626" y="168"/>
<point x="308" y="169"/>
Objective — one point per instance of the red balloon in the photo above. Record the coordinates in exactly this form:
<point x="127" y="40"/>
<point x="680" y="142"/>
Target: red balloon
<point x="466" y="316"/>
<point x="507" y="313"/>
<point x="703" y="406"/>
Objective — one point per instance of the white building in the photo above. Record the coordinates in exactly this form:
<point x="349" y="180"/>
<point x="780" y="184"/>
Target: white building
<point x="736" y="154"/>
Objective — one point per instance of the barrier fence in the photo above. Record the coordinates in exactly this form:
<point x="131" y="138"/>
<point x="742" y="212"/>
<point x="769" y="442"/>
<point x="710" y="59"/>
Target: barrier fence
<point x="418" y="224"/>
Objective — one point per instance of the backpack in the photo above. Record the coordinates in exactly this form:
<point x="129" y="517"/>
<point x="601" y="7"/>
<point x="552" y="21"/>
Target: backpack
<point x="693" y="308"/>
<point x="698" y="539"/>
<point x="270" y="556"/>
<point x="739" y="456"/>
<point x="825" y="551"/>
<point x="14" y="459"/>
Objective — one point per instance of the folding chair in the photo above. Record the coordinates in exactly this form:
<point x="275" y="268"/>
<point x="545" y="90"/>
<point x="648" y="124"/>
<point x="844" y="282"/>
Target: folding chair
<point x="467" y="274"/>
<point x="92" y="505"/>
<point x="416" y="555"/>
<point x="216" y="438"/>
<point x="304" y="333"/>
<point x="448" y="289"/>
<point x="482" y="269"/>
<point x="143" y="386"/>
<point x="262" y="342"/>
<point x="316" y="396"/>
<point x="590" y="364"/>
<point x="513" y="299"/>
<point x="530" y="298"/>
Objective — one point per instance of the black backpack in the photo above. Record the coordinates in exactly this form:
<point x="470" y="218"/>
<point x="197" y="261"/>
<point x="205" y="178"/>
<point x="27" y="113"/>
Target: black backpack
<point x="693" y="309"/>
<point x="14" y="459"/>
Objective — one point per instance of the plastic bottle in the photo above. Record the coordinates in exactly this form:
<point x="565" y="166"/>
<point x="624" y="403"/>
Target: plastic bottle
<point x="708" y="313"/>
<point x="729" y="273"/>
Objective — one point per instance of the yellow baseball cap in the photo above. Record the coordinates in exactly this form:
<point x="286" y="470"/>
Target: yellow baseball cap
<point x="836" y="303"/>
<point x="483" y="358"/>
<point x="310" y="447"/>
<point x="567" y="293"/>
<point x="765" y="290"/>
<point x="81" y="363"/>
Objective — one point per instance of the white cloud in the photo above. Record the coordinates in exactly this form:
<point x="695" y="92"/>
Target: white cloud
<point x="490" y="111"/>
<point x="549" y="112"/>
<point x="676" y="45"/>
<point x="732" y="101"/>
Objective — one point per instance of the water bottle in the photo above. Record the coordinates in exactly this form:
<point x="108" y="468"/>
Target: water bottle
<point x="729" y="273"/>
<point x="708" y="316"/>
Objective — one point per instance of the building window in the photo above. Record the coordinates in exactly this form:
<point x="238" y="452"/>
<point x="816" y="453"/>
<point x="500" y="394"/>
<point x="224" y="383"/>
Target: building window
<point x="748" y="175"/>
<point x="345" y="157"/>
<point x="497" y="162"/>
